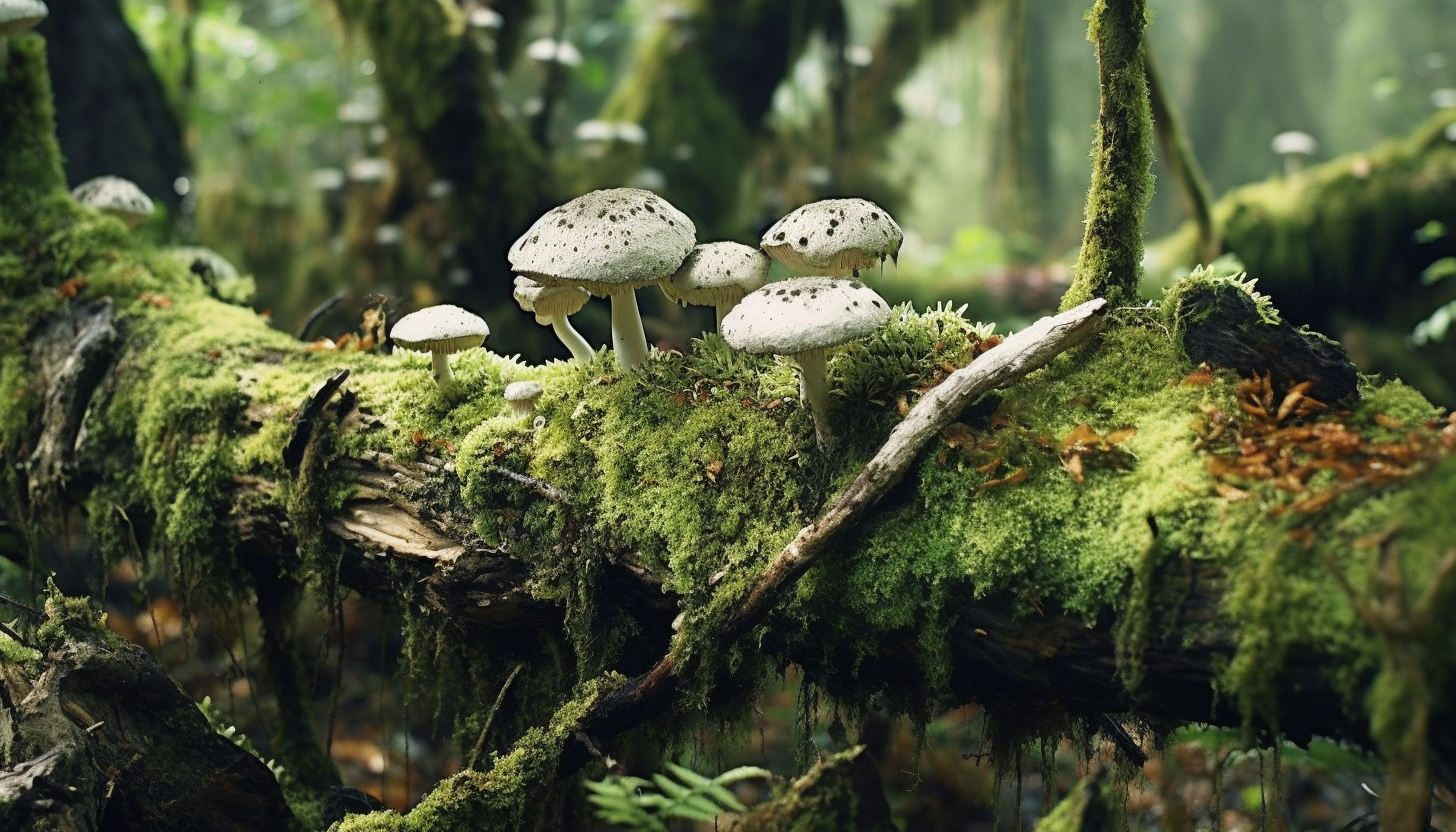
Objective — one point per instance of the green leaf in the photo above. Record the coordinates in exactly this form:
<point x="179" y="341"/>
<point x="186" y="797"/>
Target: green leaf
<point x="1439" y="270"/>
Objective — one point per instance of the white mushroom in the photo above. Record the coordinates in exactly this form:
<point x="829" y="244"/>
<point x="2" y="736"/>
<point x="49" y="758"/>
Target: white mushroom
<point x="118" y="197"/>
<point x="17" y="17"/>
<point x="522" y="396"/>
<point x="838" y="236"/>
<point x="548" y="51"/>
<point x="803" y="319"/>
<point x="440" y="331"/>
<point x="1294" y="147"/>
<point x="608" y="242"/>
<point x="552" y="305"/>
<point x="717" y="275"/>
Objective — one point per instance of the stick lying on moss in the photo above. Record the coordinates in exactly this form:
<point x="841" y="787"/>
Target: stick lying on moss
<point x="1018" y="356"/>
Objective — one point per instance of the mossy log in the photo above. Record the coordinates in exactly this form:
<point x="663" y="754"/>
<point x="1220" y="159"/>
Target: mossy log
<point x="1120" y="532"/>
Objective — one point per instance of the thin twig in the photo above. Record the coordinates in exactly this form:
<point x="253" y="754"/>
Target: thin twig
<point x="490" y="717"/>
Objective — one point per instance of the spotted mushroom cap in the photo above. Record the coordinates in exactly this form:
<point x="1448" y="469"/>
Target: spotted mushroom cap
<point x="548" y="301"/>
<point x="804" y="314"/>
<point x="523" y="391"/>
<point x="444" y="328"/>
<point x="717" y="273"/>
<point x="18" y="16"/>
<point x="116" y="196"/>
<point x="604" y="241"/>
<point x="840" y="236"/>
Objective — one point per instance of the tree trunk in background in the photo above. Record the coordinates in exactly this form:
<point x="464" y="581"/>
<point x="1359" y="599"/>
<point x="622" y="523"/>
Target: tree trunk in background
<point x="446" y="124"/>
<point x="112" y="115"/>
<point x="1257" y="80"/>
<point x="701" y="85"/>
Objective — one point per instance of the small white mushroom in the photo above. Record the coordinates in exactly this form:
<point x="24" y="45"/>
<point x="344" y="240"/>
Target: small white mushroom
<point x="17" y="17"/>
<point x="548" y="51"/>
<point x="1294" y="147"/>
<point x="118" y="197"/>
<point x="803" y="319"/>
<point x="717" y="275"/>
<point x="440" y="331"/>
<point x="837" y="236"/>
<point x="608" y="242"/>
<point x="522" y="396"/>
<point x="552" y="305"/>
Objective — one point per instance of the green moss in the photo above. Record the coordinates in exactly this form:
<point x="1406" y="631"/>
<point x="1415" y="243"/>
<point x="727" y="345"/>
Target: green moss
<point x="516" y="793"/>
<point x="1206" y="283"/>
<point x="69" y="618"/>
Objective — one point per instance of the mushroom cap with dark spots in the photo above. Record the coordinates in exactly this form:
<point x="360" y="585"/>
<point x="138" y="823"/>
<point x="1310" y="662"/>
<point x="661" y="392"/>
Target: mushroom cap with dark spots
<point x="717" y="273"/>
<point x="839" y="236"/>
<point x="804" y="314"/>
<point x="116" y="196"/>
<point x="605" y="241"/>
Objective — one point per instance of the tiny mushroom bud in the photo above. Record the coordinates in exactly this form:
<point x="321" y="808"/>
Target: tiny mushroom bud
<point x="118" y="197"/>
<point x="803" y="319"/>
<point x="1294" y="147"/>
<point x="717" y="275"/>
<point x="522" y="396"/>
<point x="17" y="17"/>
<point x="552" y="305"/>
<point x="608" y="242"/>
<point x="440" y="331"/>
<point x="839" y="236"/>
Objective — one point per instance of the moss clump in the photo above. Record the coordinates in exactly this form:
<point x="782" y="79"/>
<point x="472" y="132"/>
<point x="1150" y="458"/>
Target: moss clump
<point x="68" y="618"/>
<point x="517" y="792"/>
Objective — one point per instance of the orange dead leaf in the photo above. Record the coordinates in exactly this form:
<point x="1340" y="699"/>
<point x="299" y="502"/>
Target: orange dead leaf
<point x="1082" y="436"/>
<point x="1074" y="467"/>
<point x="1228" y="492"/>
<point x="156" y="300"/>
<point x="1014" y="478"/>
<point x="1388" y="421"/>
<point x="713" y="469"/>
<point x="1201" y="376"/>
<point x="71" y="287"/>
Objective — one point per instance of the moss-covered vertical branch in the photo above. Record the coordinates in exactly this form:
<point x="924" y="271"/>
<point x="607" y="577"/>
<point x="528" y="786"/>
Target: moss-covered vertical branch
<point x="1112" y="248"/>
<point x="30" y="159"/>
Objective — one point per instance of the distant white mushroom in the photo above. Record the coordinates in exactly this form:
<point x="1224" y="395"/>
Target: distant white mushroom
<point x="1443" y="98"/>
<point x="803" y="319"/>
<point x="484" y="19"/>
<point x="717" y="275"/>
<point x="552" y="305"/>
<point x="522" y="396"/>
<point x="837" y="236"/>
<point x="440" y="331"/>
<point x="17" y="17"/>
<point x="548" y="51"/>
<point x="118" y="197"/>
<point x="608" y="242"/>
<point x="1294" y="147"/>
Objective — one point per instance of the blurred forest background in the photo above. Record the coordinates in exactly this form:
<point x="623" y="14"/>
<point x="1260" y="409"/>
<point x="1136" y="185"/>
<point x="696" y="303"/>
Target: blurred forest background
<point x="394" y="150"/>
<point x="350" y="146"/>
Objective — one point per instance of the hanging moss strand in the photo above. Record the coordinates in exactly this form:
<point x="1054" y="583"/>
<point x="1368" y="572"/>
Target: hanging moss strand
<point x="1122" y="182"/>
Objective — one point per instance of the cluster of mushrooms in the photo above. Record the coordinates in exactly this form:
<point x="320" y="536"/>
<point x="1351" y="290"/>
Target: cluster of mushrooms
<point x="612" y="242"/>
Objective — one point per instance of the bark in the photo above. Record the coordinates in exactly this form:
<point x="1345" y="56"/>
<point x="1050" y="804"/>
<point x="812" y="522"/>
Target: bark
<point x="96" y="736"/>
<point x="112" y="114"/>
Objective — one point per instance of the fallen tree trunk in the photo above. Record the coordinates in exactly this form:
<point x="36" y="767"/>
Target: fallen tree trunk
<point x="1119" y="532"/>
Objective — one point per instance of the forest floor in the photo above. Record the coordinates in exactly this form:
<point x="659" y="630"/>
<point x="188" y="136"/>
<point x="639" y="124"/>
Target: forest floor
<point x="944" y="783"/>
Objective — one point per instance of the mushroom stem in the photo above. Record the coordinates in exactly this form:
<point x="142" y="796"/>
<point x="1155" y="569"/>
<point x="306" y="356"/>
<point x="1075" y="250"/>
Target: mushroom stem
<point x="628" y="339"/>
<point x="440" y="366"/>
<point x="580" y="349"/>
<point x="814" y="391"/>
<point x="721" y="310"/>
